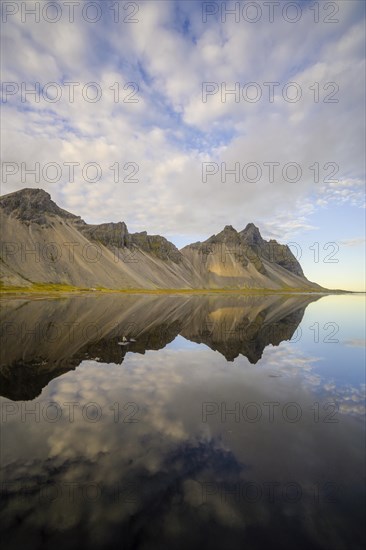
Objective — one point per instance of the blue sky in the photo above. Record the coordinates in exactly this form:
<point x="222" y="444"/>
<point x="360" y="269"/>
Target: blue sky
<point x="169" y="131"/>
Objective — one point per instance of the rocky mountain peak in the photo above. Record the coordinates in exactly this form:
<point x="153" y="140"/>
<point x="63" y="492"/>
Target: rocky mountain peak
<point x="112" y="235"/>
<point x="156" y="245"/>
<point x="228" y="234"/>
<point x="251" y="235"/>
<point x="32" y="205"/>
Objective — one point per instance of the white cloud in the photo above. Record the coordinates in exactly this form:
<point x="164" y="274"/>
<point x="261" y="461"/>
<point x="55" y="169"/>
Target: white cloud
<point x="357" y="241"/>
<point x="170" y="131"/>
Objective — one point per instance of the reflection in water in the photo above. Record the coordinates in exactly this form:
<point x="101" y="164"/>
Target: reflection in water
<point x="178" y="448"/>
<point x="44" y="338"/>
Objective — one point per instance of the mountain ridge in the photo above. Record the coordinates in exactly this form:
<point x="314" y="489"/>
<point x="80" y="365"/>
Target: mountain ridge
<point x="36" y="232"/>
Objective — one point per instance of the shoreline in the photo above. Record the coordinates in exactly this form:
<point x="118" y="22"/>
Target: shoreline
<point x="65" y="290"/>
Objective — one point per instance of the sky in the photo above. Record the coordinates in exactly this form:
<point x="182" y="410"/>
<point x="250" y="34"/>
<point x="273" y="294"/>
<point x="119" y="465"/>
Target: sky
<point x="181" y="117"/>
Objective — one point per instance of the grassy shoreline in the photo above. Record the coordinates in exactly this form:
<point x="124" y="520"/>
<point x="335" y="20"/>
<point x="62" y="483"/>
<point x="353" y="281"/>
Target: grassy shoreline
<point x="58" y="289"/>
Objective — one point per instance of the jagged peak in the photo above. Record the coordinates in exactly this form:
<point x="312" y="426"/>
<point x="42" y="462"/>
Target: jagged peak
<point x="31" y="193"/>
<point x="30" y="205"/>
<point x="112" y="234"/>
<point x="251" y="234"/>
<point x="250" y="227"/>
<point x="227" y="234"/>
<point x="157" y="245"/>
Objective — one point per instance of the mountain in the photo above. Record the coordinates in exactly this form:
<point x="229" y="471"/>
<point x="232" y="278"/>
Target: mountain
<point x="42" y="243"/>
<point x="245" y="260"/>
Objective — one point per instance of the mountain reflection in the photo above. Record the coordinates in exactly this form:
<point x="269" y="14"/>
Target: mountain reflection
<point x="141" y="447"/>
<point x="42" y="339"/>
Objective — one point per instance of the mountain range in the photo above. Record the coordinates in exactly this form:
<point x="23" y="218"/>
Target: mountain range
<point x="41" y="244"/>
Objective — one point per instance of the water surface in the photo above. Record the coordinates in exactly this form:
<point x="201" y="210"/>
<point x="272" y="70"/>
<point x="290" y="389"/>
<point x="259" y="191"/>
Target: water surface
<point x="223" y="422"/>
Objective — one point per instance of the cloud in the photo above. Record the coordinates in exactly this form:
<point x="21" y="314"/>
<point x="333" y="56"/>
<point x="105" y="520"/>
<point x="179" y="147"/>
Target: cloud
<point x="170" y="131"/>
<point x="357" y="241"/>
<point x="356" y="343"/>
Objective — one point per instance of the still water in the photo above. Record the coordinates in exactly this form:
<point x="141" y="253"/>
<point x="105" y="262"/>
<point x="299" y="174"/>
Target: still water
<point x="148" y="422"/>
